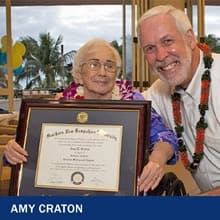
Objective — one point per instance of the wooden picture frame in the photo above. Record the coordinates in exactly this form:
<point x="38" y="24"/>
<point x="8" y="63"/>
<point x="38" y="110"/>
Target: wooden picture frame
<point x="49" y="169"/>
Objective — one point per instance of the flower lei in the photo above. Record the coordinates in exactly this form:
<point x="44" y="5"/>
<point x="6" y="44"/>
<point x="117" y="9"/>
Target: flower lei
<point x="203" y="107"/>
<point x="121" y="91"/>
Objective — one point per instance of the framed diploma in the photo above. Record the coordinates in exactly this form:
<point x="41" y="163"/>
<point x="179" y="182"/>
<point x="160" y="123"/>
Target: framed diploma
<point x="81" y="147"/>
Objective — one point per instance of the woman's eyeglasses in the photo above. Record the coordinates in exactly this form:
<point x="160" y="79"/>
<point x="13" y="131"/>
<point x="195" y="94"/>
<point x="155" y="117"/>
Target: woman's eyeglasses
<point x="95" y="65"/>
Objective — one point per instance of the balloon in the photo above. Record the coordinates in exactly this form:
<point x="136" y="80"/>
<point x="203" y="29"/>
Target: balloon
<point x="18" y="71"/>
<point x="18" y="51"/>
<point x="19" y="48"/>
<point x="3" y="58"/>
<point x="16" y="61"/>
<point x="4" y="43"/>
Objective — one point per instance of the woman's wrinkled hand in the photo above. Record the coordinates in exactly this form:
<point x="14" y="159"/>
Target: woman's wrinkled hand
<point x="14" y="153"/>
<point x="150" y="177"/>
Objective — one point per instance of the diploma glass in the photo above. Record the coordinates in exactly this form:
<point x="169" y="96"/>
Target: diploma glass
<point x="84" y="147"/>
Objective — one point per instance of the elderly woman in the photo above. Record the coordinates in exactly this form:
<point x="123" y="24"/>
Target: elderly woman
<point x="96" y="66"/>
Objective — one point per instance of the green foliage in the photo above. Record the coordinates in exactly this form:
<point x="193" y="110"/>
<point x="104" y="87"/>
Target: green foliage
<point x="213" y="42"/>
<point x="118" y="47"/>
<point x="42" y="62"/>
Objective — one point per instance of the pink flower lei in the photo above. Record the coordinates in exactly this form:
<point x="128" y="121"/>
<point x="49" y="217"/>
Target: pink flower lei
<point x="121" y="91"/>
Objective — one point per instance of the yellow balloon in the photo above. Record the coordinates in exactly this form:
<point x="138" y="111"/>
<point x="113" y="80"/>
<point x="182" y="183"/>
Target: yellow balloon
<point x="16" y="60"/>
<point x="4" y="43"/>
<point x="19" y="48"/>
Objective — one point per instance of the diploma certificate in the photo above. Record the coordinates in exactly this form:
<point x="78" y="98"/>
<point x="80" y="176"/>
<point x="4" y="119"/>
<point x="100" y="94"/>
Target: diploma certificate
<point x="84" y="157"/>
<point x="81" y="147"/>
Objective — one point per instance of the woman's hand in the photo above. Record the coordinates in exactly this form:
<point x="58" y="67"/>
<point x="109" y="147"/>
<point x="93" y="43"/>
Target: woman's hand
<point x="14" y="153"/>
<point x="151" y="176"/>
<point x="155" y="168"/>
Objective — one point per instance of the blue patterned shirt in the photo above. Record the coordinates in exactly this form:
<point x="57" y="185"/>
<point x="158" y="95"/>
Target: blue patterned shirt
<point x="159" y="131"/>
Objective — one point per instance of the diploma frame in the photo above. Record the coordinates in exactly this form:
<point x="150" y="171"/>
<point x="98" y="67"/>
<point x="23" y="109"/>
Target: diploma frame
<point x="133" y="116"/>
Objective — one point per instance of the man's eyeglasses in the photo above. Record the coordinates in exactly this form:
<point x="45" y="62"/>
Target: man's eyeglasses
<point x="95" y="65"/>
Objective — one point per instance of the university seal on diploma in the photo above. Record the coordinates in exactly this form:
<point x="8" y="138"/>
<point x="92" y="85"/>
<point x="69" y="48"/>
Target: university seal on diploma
<point x="77" y="178"/>
<point x="82" y="117"/>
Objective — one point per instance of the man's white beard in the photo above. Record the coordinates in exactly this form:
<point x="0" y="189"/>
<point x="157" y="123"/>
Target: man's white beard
<point x="182" y="76"/>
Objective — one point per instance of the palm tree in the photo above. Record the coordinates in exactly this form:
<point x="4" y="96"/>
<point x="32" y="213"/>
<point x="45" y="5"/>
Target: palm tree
<point x="68" y="64"/>
<point x="42" y="61"/>
<point x="49" y="57"/>
<point x="31" y="64"/>
<point x="118" y="47"/>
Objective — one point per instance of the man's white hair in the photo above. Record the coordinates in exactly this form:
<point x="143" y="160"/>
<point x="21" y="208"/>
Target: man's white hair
<point x="181" y="19"/>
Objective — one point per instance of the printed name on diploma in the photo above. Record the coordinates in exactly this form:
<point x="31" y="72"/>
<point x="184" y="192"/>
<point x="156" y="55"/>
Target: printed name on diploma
<point x="46" y="208"/>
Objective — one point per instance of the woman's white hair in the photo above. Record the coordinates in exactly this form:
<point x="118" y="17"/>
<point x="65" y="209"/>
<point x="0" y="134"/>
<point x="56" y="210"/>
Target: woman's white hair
<point x="182" y="21"/>
<point x="81" y="56"/>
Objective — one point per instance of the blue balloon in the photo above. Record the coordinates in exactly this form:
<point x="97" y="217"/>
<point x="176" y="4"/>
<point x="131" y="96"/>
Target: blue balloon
<point x="18" y="70"/>
<point x="3" y="58"/>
